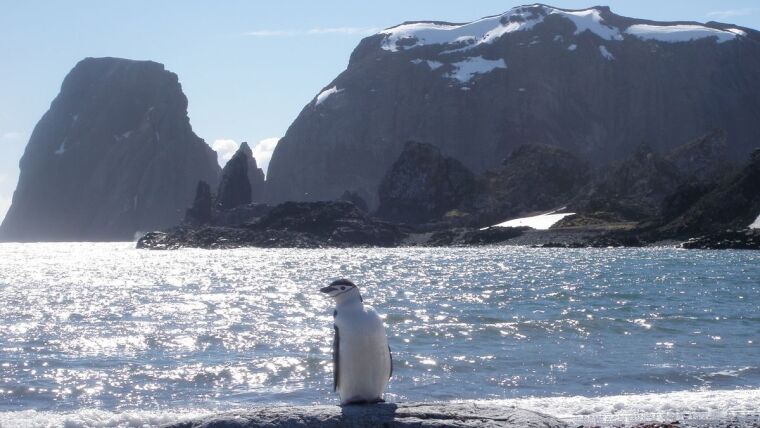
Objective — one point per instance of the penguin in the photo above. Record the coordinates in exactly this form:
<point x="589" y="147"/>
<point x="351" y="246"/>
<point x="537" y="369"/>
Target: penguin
<point x="362" y="362"/>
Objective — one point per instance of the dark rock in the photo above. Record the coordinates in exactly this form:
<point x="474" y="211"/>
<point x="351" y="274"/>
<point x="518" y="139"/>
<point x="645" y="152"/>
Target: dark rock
<point x="558" y="87"/>
<point x="114" y="155"/>
<point x="633" y="189"/>
<point x="424" y="185"/>
<point x="292" y="224"/>
<point x="590" y="220"/>
<point x="240" y="215"/>
<point x="748" y="239"/>
<point x="533" y="178"/>
<point x="704" y="159"/>
<point x="202" y="211"/>
<point x="732" y="203"/>
<point x="242" y="180"/>
<point x="379" y="415"/>
<point x="355" y="199"/>
<point x="474" y="237"/>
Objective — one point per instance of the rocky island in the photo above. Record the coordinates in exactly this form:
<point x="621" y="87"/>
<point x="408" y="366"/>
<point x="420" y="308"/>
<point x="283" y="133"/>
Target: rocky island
<point x="114" y="157"/>
<point x="435" y="134"/>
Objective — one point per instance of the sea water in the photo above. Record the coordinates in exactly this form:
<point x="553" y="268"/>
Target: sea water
<point x="104" y="334"/>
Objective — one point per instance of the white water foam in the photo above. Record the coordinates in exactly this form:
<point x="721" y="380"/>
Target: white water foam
<point x="94" y="418"/>
<point x="697" y="405"/>
<point x="603" y="411"/>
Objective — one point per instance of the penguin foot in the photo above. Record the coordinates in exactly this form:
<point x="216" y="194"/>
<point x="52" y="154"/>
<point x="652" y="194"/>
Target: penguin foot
<point x="360" y="402"/>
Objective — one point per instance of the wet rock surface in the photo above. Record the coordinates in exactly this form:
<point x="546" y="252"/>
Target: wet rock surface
<point x="380" y="415"/>
<point x="729" y="239"/>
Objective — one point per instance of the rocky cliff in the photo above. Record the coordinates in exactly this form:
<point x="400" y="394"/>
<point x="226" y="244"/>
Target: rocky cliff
<point x="114" y="155"/>
<point x="589" y="81"/>
<point x="242" y="180"/>
<point x="422" y="185"/>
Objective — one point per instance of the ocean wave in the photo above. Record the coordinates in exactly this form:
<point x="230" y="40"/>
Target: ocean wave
<point x="94" y="418"/>
<point x="629" y="408"/>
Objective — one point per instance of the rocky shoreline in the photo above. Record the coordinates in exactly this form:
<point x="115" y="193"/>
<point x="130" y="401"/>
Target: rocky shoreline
<point x="341" y="224"/>
<point x="380" y="415"/>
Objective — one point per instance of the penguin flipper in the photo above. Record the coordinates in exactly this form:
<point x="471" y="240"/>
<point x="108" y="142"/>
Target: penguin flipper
<point x="336" y="360"/>
<point x="390" y="355"/>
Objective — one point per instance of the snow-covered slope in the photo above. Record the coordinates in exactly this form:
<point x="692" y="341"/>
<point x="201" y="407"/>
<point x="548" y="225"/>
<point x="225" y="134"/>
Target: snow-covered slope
<point x="756" y="223"/>
<point x="523" y="18"/>
<point x="460" y="38"/>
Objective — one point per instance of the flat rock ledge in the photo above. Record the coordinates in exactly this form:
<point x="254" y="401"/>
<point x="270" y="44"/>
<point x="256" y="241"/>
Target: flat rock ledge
<point x="379" y="415"/>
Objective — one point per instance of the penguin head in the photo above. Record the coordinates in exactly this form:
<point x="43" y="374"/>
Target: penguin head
<point x="341" y="290"/>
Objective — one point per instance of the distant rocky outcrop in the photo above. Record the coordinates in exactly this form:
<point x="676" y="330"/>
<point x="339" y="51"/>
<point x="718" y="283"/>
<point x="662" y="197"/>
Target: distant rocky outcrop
<point x="588" y="81"/>
<point x="703" y="159"/>
<point x="533" y="178"/>
<point x="291" y="224"/>
<point x="114" y="155"/>
<point x="423" y="185"/>
<point x="202" y="211"/>
<point x="633" y="189"/>
<point x="242" y="180"/>
<point x="731" y="203"/>
<point x="355" y="199"/>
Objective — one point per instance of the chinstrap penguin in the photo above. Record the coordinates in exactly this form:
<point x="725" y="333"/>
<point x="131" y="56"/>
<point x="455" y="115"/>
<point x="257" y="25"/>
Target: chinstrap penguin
<point x="362" y="362"/>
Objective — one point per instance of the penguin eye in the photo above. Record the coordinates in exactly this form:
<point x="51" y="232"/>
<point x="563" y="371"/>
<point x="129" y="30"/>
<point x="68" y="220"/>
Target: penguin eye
<point x="342" y="288"/>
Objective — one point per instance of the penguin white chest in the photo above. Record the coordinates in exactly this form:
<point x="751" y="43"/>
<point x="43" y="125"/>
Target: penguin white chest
<point x="363" y="358"/>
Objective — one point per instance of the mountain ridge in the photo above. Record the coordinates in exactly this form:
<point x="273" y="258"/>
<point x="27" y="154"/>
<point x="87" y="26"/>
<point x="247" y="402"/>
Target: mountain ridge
<point x="571" y="78"/>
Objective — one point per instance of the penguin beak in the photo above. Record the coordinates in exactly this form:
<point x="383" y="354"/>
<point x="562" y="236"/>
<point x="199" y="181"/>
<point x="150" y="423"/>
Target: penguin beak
<point x="327" y="289"/>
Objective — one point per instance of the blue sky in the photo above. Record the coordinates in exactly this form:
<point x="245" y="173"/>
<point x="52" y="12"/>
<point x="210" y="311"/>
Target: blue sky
<point x="247" y="67"/>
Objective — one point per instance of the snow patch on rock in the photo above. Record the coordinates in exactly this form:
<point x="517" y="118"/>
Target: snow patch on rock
<point x="591" y="20"/>
<point x="434" y="64"/>
<point x="681" y="33"/>
<point x="464" y="71"/>
<point x="488" y="29"/>
<point x="756" y="223"/>
<point x="605" y="53"/>
<point x="539" y="222"/>
<point x="431" y="64"/>
<point x="324" y="95"/>
<point x="61" y="149"/>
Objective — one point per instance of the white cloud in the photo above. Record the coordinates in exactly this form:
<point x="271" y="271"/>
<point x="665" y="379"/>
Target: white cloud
<point x="262" y="151"/>
<point x="224" y="150"/>
<point x="318" y="31"/>
<point x="270" y="33"/>
<point x="731" y="13"/>
<point x="366" y="31"/>
<point x="12" y="135"/>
